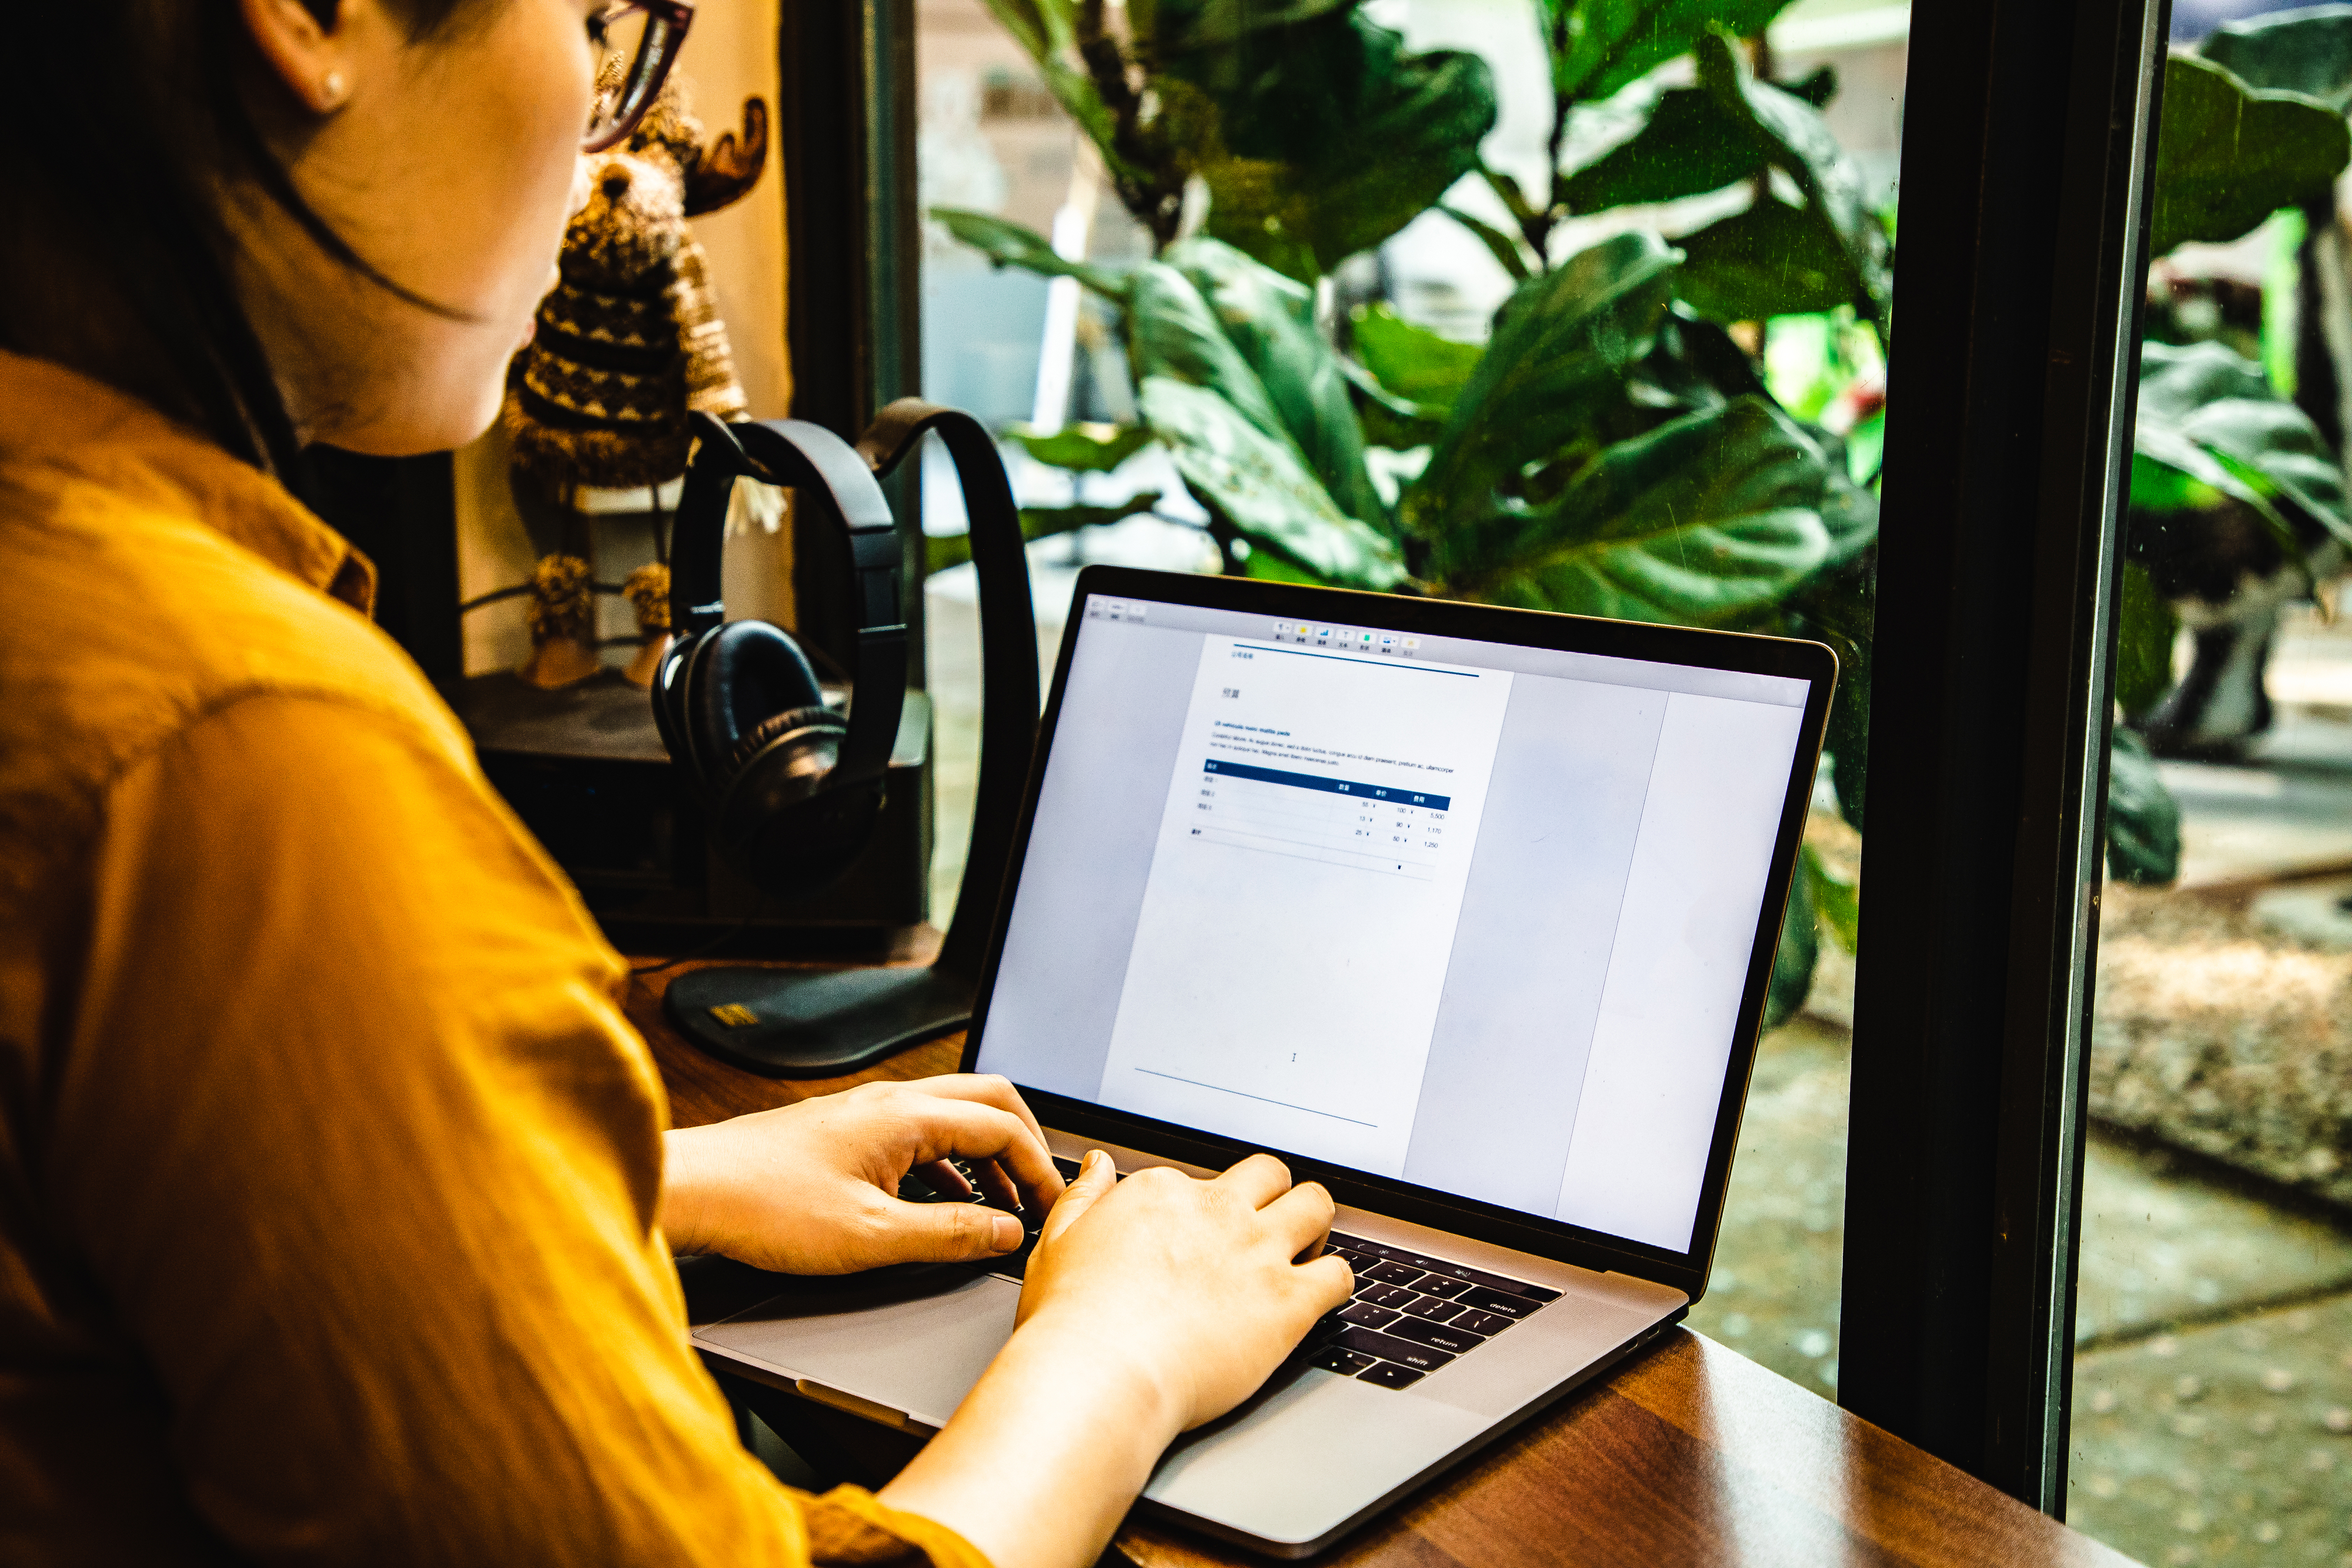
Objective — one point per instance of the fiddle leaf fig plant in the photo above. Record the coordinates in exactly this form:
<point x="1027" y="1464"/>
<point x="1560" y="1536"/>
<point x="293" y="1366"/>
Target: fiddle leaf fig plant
<point x="1609" y="450"/>
<point x="1777" y="256"/>
<point x="1272" y="109"/>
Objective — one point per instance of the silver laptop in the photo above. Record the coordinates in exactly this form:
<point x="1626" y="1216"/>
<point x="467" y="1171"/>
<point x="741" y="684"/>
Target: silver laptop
<point x="1467" y="912"/>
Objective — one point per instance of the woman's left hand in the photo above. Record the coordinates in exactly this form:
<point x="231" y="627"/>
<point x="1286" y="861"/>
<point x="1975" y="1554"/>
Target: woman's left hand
<point x="812" y="1188"/>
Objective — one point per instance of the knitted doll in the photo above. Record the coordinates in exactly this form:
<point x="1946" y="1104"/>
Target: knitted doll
<point x="627" y="343"/>
<point x="631" y="340"/>
<point x="561" y="613"/>
<point x="647" y="590"/>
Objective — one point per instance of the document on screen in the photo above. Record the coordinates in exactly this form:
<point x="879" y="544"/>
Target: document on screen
<point x="1314" y="794"/>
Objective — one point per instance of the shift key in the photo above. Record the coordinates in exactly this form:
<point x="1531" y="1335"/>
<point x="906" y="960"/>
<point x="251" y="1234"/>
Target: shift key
<point x="1388" y="1347"/>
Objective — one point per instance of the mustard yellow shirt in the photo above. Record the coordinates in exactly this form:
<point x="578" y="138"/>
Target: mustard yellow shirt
<point x="327" y="1164"/>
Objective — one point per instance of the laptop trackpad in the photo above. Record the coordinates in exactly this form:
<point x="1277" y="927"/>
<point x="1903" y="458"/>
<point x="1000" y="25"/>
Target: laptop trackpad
<point x="915" y="1345"/>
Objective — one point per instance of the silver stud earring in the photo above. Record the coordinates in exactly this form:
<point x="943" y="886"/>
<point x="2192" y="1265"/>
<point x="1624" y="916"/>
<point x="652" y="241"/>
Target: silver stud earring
<point x="330" y="90"/>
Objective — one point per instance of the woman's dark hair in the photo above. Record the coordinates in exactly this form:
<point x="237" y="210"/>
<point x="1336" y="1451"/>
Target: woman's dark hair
<point x="120" y="265"/>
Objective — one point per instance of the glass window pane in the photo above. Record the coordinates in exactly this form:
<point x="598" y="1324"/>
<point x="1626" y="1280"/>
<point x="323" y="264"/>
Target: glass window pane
<point x="2212" y="1418"/>
<point x="1440" y="263"/>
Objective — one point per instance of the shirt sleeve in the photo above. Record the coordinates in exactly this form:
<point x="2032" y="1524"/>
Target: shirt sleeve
<point x="365" y="1160"/>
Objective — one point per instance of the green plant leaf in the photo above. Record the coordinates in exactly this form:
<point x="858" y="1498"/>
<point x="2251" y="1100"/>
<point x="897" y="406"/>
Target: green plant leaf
<point x="1267" y="567"/>
<point x="1413" y="362"/>
<point x="2160" y="488"/>
<point x="1010" y="245"/>
<point x="1866" y="446"/>
<point x="2167" y="446"/>
<point x="1838" y="900"/>
<point x="1509" y="190"/>
<point x="1256" y="411"/>
<point x="2275" y="447"/>
<point x="2211" y="417"/>
<point x="1849" y="513"/>
<point x="1562" y="345"/>
<point x="1800" y="950"/>
<point x="1615" y="43"/>
<point x="1262" y="485"/>
<point x="1298" y="108"/>
<point x="1044" y="522"/>
<point x="1084" y="448"/>
<point x="1503" y="245"/>
<point x="1390" y="421"/>
<point x="1708" y="521"/>
<point x="1189" y="26"/>
<point x="1171" y="331"/>
<point x="1695" y="365"/>
<point x="944" y="550"/>
<point x="2143" y="818"/>
<point x="2307" y="51"/>
<point x="2227" y="156"/>
<point x="1774" y="259"/>
<point x="1838" y="606"/>
<point x="2145" y="626"/>
<point x="1693" y="143"/>
<point x="1818" y="87"/>
<point x="1207" y="314"/>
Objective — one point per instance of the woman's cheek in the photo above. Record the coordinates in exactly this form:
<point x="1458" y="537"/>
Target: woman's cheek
<point x="546" y="75"/>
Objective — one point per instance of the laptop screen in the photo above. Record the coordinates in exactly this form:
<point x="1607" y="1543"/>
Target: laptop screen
<point x="1476" y="916"/>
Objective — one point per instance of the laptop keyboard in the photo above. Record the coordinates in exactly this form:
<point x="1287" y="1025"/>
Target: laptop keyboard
<point x="1413" y="1314"/>
<point x="1410" y="1315"/>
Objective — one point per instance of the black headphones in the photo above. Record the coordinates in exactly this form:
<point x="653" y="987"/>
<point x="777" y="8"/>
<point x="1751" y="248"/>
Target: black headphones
<point x="791" y="789"/>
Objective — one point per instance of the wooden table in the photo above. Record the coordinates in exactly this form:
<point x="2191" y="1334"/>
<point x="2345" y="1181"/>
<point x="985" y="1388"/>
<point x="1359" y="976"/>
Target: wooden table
<point x="1690" y="1455"/>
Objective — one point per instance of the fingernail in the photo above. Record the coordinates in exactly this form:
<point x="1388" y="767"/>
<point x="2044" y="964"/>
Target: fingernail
<point x="1093" y="1160"/>
<point x="1004" y="1232"/>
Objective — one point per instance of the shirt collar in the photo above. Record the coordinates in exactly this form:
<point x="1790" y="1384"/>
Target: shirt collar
<point x="56" y="418"/>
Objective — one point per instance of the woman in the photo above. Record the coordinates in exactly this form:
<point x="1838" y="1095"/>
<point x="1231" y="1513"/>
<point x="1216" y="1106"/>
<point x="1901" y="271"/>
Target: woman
<point x="336" y="1212"/>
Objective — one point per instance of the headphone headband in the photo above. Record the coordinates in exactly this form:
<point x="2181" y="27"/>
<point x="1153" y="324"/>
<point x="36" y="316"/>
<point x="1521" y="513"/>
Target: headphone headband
<point x="1008" y="637"/>
<point x="815" y="462"/>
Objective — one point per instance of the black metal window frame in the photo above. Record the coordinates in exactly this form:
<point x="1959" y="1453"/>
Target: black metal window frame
<point x="2022" y="224"/>
<point x="2022" y="227"/>
<point x="845" y="132"/>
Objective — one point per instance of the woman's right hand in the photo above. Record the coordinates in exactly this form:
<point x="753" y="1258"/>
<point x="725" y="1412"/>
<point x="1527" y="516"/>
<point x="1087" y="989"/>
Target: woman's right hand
<point x="1193" y="1279"/>
<point x="1150" y="1306"/>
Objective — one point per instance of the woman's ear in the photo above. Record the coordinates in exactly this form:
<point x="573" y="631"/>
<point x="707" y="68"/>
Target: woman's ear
<point x="307" y="45"/>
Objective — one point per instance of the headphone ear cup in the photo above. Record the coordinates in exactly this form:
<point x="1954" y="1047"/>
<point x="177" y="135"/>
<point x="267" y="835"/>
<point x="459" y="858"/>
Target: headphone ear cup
<point x="763" y="745"/>
<point x="669" y="698"/>
<point x="790" y="833"/>
<point x="776" y="727"/>
<point x="739" y="675"/>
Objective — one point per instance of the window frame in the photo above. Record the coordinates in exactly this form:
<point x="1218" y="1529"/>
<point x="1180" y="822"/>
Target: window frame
<point x="2027" y="153"/>
<point x="853" y="247"/>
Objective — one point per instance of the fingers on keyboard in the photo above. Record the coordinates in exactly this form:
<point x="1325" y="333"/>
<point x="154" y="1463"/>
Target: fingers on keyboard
<point x="1412" y="1316"/>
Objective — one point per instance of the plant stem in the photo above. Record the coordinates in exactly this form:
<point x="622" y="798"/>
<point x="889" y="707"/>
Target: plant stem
<point x="1539" y="225"/>
<point x="1154" y="193"/>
